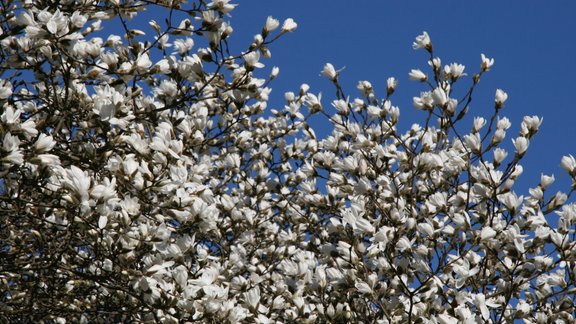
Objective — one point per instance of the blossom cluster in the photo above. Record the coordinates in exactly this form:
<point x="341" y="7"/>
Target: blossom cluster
<point x="143" y="177"/>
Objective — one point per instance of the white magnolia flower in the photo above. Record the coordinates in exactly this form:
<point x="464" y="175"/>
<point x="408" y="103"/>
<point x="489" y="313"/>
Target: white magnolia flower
<point x="252" y="59"/>
<point x="271" y="24"/>
<point x="568" y="163"/>
<point x="440" y="97"/>
<point x="366" y="88"/>
<point x="79" y="182"/>
<point x="142" y="63"/>
<point x="167" y="88"/>
<point x="556" y="201"/>
<point x="422" y="41"/>
<point x="454" y="71"/>
<point x="424" y="102"/>
<point x="50" y="160"/>
<point x="546" y="181"/>
<point x="391" y="85"/>
<point x="463" y="270"/>
<point x="341" y="106"/>
<point x="44" y="143"/>
<point x="78" y="19"/>
<point x="499" y="135"/>
<point x="313" y="102"/>
<point x="289" y="25"/>
<point x="503" y="123"/>
<point x="104" y="191"/>
<point x="499" y="155"/>
<point x="329" y="72"/>
<point x="521" y="145"/>
<point x="403" y="244"/>
<point x="252" y="297"/>
<point x="479" y="122"/>
<point x="5" y="89"/>
<point x="435" y="64"/>
<point x="487" y="233"/>
<point x="511" y="201"/>
<point x="274" y="73"/>
<point x="56" y="23"/>
<point x="223" y="6"/>
<point x="500" y="98"/>
<point x="418" y="75"/>
<point x="480" y="302"/>
<point x="426" y="229"/>
<point x="486" y="63"/>
<point x="183" y="46"/>
<point x="530" y="125"/>
<point x="474" y="142"/>
<point x="11" y="144"/>
<point x="11" y="116"/>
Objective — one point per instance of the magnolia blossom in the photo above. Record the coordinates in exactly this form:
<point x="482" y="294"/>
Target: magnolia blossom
<point x="530" y="125"/>
<point x="271" y="24"/>
<point x="424" y="102"/>
<point x="435" y="63"/>
<point x="416" y="74"/>
<point x="329" y="72"/>
<point x="252" y="60"/>
<point x="10" y="145"/>
<point x="521" y="145"/>
<point x="498" y="136"/>
<point x="223" y="6"/>
<point x="500" y="98"/>
<point x="503" y="123"/>
<point x="44" y="143"/>
<point x="454" y="71"/>
<point x="391" y="85"/>
<point x="366" y="88"/>
<point x="5" y="89"/>
<point x="569" y="164"/>
<point x="486" y="63"/>
<point x="341" y="106"/>
<point x="289" y="25"/>
<point x="274" y="72"/>
<point x="546" y="181"/>
<point x="479" y="122"/>
<point x="183" y="46"/>
<point x="422" y="41"/>
<point x="474" y="142"/>
<point x="440" y="96"/>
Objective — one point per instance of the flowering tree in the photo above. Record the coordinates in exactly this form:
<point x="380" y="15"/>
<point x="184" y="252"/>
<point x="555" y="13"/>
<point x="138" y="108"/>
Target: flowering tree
<point x="143" y="178"/>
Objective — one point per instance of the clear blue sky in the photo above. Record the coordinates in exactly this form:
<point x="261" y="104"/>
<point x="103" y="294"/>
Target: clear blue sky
<point x="532" y="43"/>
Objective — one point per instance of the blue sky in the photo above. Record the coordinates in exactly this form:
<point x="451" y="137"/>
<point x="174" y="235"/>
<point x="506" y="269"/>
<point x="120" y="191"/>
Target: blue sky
<point x="532" y="43"/>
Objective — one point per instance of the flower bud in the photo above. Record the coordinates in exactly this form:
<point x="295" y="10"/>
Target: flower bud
<point x="391" y="85"/>
<point x="274" y="73"/>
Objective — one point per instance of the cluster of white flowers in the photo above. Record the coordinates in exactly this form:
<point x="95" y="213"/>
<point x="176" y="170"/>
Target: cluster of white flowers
<point x="144" y="178"/>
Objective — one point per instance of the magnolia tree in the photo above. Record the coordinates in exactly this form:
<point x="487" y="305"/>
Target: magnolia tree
<point x="143" y="178"/>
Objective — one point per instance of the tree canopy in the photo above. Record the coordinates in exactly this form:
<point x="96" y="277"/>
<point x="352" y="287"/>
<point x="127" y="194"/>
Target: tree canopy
<point x="144" y="177"/>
